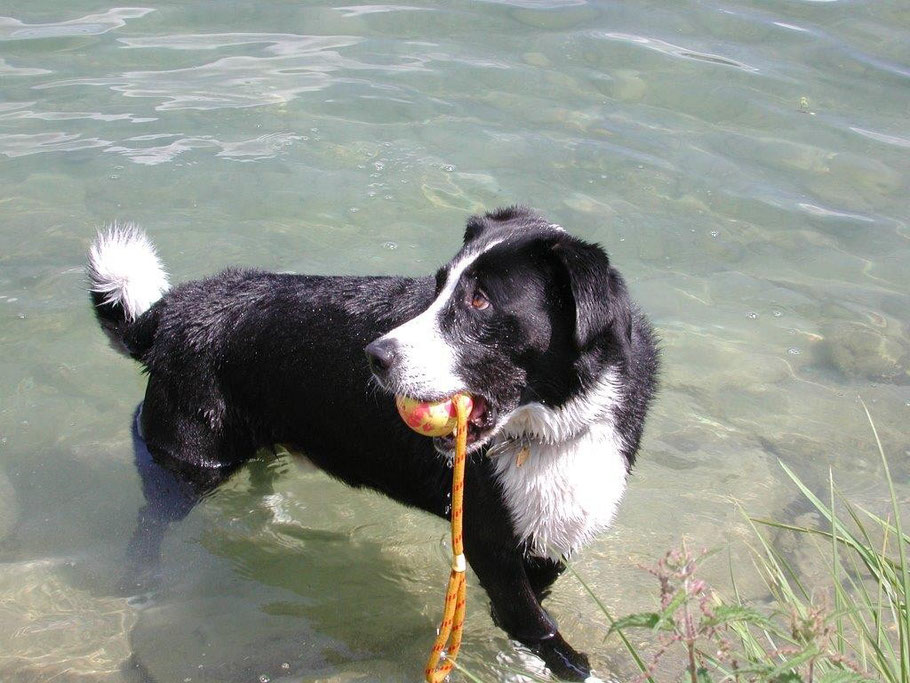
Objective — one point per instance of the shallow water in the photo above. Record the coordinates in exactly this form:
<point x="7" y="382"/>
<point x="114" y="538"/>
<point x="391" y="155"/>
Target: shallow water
<point x="745" y="164"/>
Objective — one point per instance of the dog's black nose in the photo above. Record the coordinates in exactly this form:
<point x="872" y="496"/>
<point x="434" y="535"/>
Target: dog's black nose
<point x="381" y="356"/>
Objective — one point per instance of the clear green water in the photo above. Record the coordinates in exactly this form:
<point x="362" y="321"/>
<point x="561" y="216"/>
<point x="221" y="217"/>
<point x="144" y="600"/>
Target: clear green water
<point x="745" y="163"/>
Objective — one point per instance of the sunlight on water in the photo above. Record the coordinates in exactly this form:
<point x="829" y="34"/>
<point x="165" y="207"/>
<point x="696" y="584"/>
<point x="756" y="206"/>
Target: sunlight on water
<point x="745" y="164"/>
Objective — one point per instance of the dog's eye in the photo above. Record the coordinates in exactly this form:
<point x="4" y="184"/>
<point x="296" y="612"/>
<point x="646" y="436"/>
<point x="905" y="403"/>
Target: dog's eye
<point x="479" y="301"/>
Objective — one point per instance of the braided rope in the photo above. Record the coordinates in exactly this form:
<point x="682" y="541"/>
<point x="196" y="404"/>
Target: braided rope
<point x="448" y="641"/>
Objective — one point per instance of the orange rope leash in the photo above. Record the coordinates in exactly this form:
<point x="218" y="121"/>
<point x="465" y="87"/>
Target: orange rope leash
<point x="453" y="614"/>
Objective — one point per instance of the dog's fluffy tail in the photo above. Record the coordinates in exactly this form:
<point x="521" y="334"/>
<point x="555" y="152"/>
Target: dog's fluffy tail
<point x="125" y="279"/>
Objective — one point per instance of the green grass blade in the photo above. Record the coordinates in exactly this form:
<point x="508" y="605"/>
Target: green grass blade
<point x="835" y="573"/>
<point x="779" y="570"/>
<point x="879" y="640"/>
<point x="883" y="523"/>
<point x="622" y="636"/>
<point x="903" y="612"/>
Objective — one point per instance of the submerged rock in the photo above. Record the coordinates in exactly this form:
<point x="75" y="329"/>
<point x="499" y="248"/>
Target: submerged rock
<point x="859" y="351"/>
<point x="9" y="507"/>
<point x="223" y="639"/>
<point x="52" y="630"/>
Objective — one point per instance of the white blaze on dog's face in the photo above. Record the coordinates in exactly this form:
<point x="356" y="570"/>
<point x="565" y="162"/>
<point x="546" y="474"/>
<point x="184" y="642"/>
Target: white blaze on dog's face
<point x="427" y="358"/>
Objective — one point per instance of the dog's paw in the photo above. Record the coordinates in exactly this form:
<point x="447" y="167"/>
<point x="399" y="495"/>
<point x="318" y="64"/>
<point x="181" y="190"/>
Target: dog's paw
<point x="526" y="659"/>
<point x="562" y="660"/>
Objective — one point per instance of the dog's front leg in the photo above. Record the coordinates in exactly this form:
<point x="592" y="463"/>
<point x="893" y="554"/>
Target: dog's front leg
<point x="496" y="558"/>
<point x="516" y="608"/>
<point x="542" y="572"/>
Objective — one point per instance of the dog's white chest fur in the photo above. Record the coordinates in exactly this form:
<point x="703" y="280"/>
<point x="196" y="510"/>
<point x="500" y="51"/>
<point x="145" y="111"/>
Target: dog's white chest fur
<point x="564" y="493"/>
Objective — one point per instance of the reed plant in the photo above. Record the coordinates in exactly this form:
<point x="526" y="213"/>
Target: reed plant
<point x="861" y="632"/>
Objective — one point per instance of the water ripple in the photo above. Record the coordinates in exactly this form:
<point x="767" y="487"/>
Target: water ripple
<point x="89" y="25"/>
<point x="72" y="116"/>
<point x="359" y="10"/>
<point x="882" y="137"/>
<point x="7" y="69"/>
<point x="673" y="50"/>
<point x="296" y="64"/>
<point x="538" y="4"/>
<point x="17" y="145"/>
<point x="279" y="43"/>
<point x="254" y="149"/>
<point x="822" y="212"/>
<point x="232" y="82"/>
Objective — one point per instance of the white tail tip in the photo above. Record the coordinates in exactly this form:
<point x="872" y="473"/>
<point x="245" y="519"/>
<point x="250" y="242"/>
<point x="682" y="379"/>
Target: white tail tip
<point x="124" y="267"/>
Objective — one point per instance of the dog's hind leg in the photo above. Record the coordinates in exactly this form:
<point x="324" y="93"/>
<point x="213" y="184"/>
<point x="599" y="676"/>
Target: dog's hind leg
<point x="171" y="490"/>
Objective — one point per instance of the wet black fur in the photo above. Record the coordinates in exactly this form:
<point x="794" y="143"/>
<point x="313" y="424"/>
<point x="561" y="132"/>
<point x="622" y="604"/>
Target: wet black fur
<point x="247" y="359"/>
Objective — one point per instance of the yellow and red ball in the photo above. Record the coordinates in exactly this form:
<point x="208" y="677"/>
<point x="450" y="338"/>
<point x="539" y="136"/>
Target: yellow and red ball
<point x="430" y="418"/>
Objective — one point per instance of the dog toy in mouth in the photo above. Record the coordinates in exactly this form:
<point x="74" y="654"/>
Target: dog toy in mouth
<point x="431" y="418"/>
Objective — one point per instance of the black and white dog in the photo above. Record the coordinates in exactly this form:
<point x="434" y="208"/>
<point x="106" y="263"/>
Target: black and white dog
<point x="536" y="325"/>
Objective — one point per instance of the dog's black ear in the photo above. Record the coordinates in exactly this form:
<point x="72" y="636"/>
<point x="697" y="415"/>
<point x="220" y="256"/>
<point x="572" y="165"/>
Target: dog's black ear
<point x="516" y="214"/>
<point x="602" y="305"/>
<point x="476" y="225"/>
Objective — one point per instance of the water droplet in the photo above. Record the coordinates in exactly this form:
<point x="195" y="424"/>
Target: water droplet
<point x="753" y="315"/>
<point x="793" y="351"/>
<point x="353" y="209"/>
<point x="777" y="314"/>
<point x="448" y="168"/>
<point x="264" y="679"/>
<point x="285" y="666"/>
<point x="714" y="233"/>
<point x="391" y="246"/>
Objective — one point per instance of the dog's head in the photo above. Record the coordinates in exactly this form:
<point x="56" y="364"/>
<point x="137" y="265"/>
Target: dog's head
<point x="524" y="316"/>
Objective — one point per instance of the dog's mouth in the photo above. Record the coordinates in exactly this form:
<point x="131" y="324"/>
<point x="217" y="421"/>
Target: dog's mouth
<point x="481" y="425"/>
